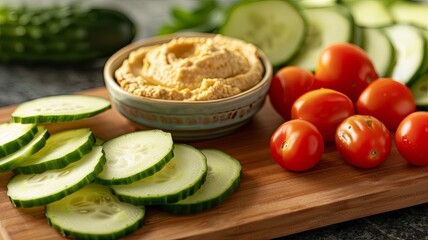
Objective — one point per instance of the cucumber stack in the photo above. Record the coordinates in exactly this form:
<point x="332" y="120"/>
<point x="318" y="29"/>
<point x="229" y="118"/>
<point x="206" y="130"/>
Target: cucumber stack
<point x="80" y="178"/>
<point x="315" y="24"/>
<point x="393" y="33"/>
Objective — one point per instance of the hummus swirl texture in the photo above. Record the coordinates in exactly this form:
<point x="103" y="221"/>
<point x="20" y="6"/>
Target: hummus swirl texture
<point x="191" y="69"/>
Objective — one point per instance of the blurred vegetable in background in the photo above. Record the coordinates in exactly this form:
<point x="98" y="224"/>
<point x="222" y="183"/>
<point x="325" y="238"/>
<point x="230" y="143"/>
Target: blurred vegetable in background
<point x="61" y="34"/>
<point x="206" y="16"/>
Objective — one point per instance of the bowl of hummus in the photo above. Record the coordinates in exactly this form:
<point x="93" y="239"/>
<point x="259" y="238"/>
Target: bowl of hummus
<point x="194" y="85"/>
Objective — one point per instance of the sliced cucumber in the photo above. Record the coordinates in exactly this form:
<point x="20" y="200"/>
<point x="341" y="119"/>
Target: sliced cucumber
<point x="29" y="190"/>
<point x="420" y="92"/>
<point x="317" y="3"/>
<point x="14" y="136"/>
<point x="224" y="176"/>
<point x="411" y="47"/>
<point x="61" y="149"/>
<point x="94" y="213"/>
<point x="370" y="13"/>
<point x="133" y="156"/>
<point x="410" y="12"/>
<point x="99" y="141"/>
<point x="380" y="50"/>
<point x="178" y="179"/>
<point x="277" y="27"/>
<point x="322" y="34"/>
<point x="61" y="108"/>
<point x="13" y="160"/>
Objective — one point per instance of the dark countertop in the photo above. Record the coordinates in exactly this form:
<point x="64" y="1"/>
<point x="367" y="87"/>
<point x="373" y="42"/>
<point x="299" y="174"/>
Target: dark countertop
<point x="19" y="83"/>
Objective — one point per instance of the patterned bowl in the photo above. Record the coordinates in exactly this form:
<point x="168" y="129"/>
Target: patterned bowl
<point x="186" y="120"/>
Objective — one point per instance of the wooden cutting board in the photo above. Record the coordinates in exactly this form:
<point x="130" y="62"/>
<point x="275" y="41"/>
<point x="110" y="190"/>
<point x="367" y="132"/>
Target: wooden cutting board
<point x="270" y="202"/>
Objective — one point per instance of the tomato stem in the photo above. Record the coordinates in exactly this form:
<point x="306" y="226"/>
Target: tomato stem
<point x="284" y="145"/>
<point x="369" y="122"/>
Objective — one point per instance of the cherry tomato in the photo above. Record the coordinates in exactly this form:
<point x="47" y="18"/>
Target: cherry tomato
<point x="325" y="108"/>
<point x="411" y="138"/>
<point x="296" y="145"/>
<point x="346" y="68"/>
<point x="287" y="85"/>
<point x="363" y="141"/>
<point x="387" y="100"/>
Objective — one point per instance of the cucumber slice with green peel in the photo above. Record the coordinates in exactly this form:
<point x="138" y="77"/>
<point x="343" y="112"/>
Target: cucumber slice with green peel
<point x="30" y="190"/>
<point x="13" y="160"/>
<point x="277" y="27"/>
<point x="61" y="108"/>
<point x="322" y="34"/>
<point x="178" y="179"/>
<point x="133" y="156"/>
<point x="94" y="212"/>
<point x="99" y="141"/>
<point x="410" y="12"/>
<point x="420" y="92"/>
<point x="224" y="177"/>
<point x="14" y="136"/>
<point x="411" y="48"/>
<point x="380" y="50"/>
<point x="370" y="13"/>
<point x="61" y="149"/>
<point x="358" y="36"/>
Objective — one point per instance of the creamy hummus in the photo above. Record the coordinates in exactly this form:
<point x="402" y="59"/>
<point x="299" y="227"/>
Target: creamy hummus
<point x="191" y="69"/>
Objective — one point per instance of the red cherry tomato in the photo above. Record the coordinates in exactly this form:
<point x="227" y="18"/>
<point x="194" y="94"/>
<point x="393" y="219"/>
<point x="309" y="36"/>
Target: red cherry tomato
<point x="346" y="68"/>
<point x="363" y="141"/>
<point x="287" y="85"/>
<point x="296" y="145"/>
<point x="325" y="108"/>
<point x="387" y="100"/>
<point x="411" y="138"/>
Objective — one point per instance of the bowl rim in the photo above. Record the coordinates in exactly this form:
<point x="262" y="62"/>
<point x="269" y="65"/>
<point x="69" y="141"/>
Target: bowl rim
<point x="109" y="69"/>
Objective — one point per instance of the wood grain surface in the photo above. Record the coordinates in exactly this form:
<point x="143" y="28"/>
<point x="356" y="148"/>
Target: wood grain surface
<point x="270" y="202"/>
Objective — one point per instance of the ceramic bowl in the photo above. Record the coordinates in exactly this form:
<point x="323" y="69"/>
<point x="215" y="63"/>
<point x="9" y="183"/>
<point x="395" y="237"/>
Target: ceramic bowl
<point x="186" y="120"/>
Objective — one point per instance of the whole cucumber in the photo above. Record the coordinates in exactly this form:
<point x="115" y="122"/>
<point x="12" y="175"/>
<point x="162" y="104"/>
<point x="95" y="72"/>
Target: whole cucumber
<point x="62" y="34"/>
